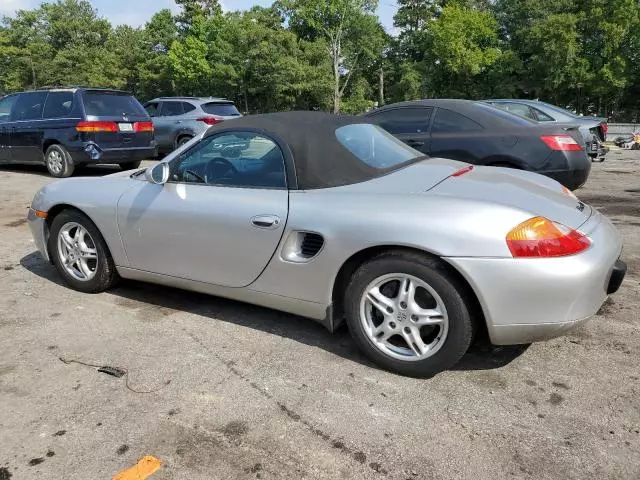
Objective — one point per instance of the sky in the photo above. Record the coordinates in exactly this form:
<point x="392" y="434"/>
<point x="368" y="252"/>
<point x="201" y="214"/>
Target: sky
<point x="137" y="12"/>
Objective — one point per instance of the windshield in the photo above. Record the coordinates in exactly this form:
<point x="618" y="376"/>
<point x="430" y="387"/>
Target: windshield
<point x="112" y="104"/>
<point x="374" y="146"/>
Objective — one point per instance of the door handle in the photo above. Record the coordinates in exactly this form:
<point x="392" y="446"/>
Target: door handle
<point x="266" y="221"/>
<point x="178" y="121"/>
<point x="415" y="143"/>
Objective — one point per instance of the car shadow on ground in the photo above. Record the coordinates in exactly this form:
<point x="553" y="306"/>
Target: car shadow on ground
<point x="41" y="170"/>
<point x="144" y="297"/>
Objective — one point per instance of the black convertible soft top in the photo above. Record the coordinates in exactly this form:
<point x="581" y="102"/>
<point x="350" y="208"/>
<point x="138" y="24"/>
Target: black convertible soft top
<point x="319" y="159"/>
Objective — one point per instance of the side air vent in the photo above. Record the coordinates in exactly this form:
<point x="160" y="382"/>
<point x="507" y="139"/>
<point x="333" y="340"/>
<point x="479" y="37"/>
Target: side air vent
<point x="311" y="245"/>
<point x="302" y="247"/>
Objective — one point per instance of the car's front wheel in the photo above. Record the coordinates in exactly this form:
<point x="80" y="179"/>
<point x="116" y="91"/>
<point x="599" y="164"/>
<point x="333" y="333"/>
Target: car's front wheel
<point x="58" y="161"/>
<point x="409" y="313"/>
<point x="80" y="254"/>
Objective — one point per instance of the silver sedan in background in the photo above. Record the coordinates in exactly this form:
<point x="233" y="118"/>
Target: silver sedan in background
<point x="592" y="129"/>
<point x="332" y="218"/>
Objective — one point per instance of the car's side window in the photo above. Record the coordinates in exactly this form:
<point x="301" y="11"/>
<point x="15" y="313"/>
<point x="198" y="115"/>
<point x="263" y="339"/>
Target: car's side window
<point x="404" y="120"/>
<point x="152" y="108"/>
<point x="188" y="107"/>
<point x="171" y="109"/>
<point x="234" y="159"/>
<point x="6" y="104"/>
<point x="518" y="109"/>
<point x="29" y="106"/>
<point x="447" y="121"/>
<point x="58" y="105"/>
<point x="543" y="117"/>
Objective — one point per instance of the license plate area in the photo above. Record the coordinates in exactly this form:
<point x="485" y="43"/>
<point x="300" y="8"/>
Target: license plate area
<point x="125" y="127"/>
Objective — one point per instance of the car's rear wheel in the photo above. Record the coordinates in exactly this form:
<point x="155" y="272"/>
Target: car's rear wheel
<point x="80" y="254"/>
<point x="182" y="140"/>
<point x="409" y="313"/>
<point x="58" y="161"/>
<point x="131" y="165"/>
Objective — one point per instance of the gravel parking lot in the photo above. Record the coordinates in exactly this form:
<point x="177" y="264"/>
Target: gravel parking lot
<point x="237" y="391"/>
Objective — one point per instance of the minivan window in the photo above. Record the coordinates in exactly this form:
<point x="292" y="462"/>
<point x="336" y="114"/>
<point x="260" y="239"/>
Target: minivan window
<point x="5" y="107"/>
<point x="111" y="104"/>
<point x="374" y="146"/>
<point x="28" y="106"/>
<point x="58" y="105"/>
<point x="222" y="109"/>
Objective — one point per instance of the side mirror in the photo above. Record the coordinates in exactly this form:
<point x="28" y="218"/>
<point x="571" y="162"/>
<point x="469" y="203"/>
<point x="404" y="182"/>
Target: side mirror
<point x="158" y="174"/>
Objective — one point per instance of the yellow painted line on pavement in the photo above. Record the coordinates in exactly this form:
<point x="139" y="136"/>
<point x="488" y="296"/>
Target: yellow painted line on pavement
<point x="141" y="470"/>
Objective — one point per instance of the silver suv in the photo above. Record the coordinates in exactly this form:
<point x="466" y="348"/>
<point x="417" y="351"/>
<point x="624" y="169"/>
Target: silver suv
<point x="178" y="119"/>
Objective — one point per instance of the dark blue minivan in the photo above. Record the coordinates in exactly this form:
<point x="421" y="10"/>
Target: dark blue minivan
<point x="67" y="127"/>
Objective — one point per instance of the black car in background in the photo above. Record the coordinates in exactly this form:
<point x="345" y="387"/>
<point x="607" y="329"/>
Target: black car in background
<point x="481" y="134"/>
<point x="67" y="127"/>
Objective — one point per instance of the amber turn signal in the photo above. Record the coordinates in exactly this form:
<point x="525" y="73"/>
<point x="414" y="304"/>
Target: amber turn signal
<point x="540" y="237"/>
<point x="40" y="214"/>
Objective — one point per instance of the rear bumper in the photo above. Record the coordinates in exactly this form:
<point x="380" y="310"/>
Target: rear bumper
<point x="92" y="153"/>
<point x="576" y="172"/>
<point x="526" y="300"/>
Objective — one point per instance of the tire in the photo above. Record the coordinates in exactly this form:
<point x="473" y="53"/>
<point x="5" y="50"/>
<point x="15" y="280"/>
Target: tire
<point x="182" y="140"/>
<point x="58" y="161"/>
<point x="436" y="285"/>
<point x="131" y="165"/>
<point x="101" y="271"/>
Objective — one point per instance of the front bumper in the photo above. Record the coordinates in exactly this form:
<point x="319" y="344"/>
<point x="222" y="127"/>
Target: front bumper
<point x="39" y="232"/>
<point x="525" y="300"/>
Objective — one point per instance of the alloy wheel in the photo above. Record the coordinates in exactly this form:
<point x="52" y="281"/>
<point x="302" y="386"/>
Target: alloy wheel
<point x="77" y="251"/>
<point x="55" y="162"/>
<point x="404" y="317"/>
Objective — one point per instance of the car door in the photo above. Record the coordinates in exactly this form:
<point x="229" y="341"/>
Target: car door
<point x="5" y="127"/>
<point x="456" y="136"/>
<point x="166" y="123"/>
<point x="219" y="218"/>
<point x="26" y="128"/>
<point x="409" y="124"/>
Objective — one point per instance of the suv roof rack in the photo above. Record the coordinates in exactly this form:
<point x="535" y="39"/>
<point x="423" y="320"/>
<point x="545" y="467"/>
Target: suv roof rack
<point x="178" y="97"/>
<point x="73" y="87"/>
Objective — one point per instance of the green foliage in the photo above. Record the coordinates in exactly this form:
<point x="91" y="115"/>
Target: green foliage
<point x="335" y="55"/>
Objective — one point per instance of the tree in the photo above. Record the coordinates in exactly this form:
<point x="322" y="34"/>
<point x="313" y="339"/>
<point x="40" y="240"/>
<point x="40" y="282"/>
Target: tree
<point x="349" y="27"/>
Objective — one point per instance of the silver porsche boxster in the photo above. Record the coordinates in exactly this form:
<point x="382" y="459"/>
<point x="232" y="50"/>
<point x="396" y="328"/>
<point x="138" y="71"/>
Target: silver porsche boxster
<point x="331" y="218"/>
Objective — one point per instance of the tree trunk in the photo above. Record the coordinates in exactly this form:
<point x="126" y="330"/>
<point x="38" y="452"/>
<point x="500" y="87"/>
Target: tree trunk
<point x="336" y="83"/>
<point x="381" y="88"/>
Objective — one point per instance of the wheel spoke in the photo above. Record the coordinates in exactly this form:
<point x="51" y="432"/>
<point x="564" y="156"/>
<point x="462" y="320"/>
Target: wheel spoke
<point x="407" y="291"/>
<point x="414" y="341"/>
<point x="431" y="316"/>
<point x="83" y="267"/>
<point x="380" y="301"/>
<point x="88" y="253"/>
<point x="383" y="332"/>
<point x="67" y="240"/>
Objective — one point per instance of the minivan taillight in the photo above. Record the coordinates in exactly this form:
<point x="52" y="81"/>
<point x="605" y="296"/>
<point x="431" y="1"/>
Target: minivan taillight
<point x="96" y="126"/>
<point x="143" y="127"/>
<point x="209" y="120"/>
<point x="564" y="143"/>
